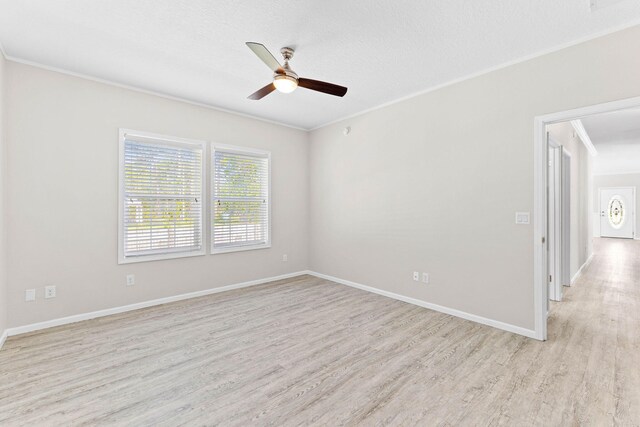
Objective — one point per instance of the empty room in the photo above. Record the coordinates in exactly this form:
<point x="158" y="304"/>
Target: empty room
<point x="330" y="213"/>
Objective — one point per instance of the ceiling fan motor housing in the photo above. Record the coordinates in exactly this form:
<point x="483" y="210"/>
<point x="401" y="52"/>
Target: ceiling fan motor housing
<point x="287" y="53"/>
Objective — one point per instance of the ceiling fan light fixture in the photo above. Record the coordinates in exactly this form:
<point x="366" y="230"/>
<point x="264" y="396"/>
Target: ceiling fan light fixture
<point x="285" y="80"/>
<point x="285" y="83"/>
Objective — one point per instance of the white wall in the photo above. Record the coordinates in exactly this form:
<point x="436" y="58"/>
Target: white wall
<point x="3" y="251"/>
<point x="581" y="163"/>
<point x="432" y="183"/>
<point x="427" y="184"/>
<point x="622" y="180"/>
<point x="62" y="203"/>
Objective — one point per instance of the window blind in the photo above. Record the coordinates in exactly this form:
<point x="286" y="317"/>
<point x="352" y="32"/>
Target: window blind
<point x="240" y="202"/>
<point x="162" y="192"/>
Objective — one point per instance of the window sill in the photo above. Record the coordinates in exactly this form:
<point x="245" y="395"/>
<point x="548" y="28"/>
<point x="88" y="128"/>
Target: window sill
<point x="217" y="251"/>
<point x="159" y="257"/>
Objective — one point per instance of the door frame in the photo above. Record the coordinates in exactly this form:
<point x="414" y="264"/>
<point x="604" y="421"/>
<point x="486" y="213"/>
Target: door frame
<point x="540" y="163"/>
<point x="555" y="234"/>
<point x="633" y="203"/>
<point x="565" y="200"/>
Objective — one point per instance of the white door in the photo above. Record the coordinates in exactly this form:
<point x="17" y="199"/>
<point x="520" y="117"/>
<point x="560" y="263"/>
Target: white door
<point x="617" y="212"/>
<point x="565" y="229"/>
<point x="558" y="219"/>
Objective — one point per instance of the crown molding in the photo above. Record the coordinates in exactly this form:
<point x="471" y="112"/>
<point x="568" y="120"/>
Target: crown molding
<point x="486" y="71"/>
<point x="350" y="116"/>
<point x="146" y="91"/>
<point x="584" y="136"/>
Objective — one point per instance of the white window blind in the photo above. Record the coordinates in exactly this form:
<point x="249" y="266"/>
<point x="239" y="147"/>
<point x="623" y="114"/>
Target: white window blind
<point x="162" y="193"/>
<point x="240" y="213"/>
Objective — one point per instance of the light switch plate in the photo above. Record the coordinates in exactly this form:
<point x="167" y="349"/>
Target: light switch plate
<point x="30" y="295"/>
<point x="523" y="218"/>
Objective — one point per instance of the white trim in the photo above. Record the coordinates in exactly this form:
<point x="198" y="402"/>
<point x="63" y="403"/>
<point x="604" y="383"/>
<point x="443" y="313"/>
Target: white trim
<point x="487" y="71"/>
<point x="147" y="91"/>
<point x="136" y="306"/>
<point x="616" y="173"/>
<point x="170" y="140"/>
<point x="439" y="308"/>
<point x="540" y="286"/>
<point x="240" y="150"/>
<point x="584" y="136"/>
<point x="555" y="236"/>
<point x="143" y="136"/>
<point x="233" y="249"/>
<point x="566" y="216"/>
<point x="581" y="269"/>
<point x="235" y="149"/>
<point x="3" y="337"/>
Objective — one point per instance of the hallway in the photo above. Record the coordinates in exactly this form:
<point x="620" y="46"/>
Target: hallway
<point x="595" y="335"/>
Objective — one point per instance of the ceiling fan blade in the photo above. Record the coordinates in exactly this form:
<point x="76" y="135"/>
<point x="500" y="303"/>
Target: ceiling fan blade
<point x="323" y="87"/>
<point x="266" y="56"/>
<point x="261" y="93"/>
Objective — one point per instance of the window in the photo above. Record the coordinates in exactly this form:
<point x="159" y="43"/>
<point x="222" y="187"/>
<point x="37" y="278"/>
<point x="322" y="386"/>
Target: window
<point x="161" y="203"/>
<point x="240" y="199"/>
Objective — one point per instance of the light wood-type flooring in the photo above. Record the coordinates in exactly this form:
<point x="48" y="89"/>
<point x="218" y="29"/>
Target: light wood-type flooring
<point x="306" y="351"/>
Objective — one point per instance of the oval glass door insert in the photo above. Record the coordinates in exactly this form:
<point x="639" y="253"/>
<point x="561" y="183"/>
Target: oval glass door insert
<point x="616" y="212"/>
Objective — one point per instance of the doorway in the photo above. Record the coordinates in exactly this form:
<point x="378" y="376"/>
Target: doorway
<point x="542" y="291"/>
<point x="617" y="212"/>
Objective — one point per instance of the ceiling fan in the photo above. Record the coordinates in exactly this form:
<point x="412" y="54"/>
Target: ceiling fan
<point x="285" y="80"/>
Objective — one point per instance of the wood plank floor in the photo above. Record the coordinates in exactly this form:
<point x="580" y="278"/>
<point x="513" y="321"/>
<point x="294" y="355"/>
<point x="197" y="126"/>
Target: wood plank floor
<point x="307" y="351"/>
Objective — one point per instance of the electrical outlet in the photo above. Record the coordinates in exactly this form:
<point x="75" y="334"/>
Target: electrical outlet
<point x="50" y="291"/>
<point x="416" y="276"/>
<point x="425" y="277"/>
<point x="131" y="279"/>
<point x="30" y="295"/>
<point x="285" y="258"/>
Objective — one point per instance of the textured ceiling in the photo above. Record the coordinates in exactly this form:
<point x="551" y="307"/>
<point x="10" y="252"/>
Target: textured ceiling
<point x="382" y="50"/>
<point x="619" y="127"/>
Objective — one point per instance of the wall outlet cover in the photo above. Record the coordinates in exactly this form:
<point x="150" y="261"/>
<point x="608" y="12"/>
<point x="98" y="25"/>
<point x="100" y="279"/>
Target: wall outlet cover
<point x="50" y="291"/>
<point x="131" y="279"/>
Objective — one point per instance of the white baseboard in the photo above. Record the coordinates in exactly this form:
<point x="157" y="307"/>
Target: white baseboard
<point x="115" y="310"/>
<point x="3" y="337"/>
<point x="581" y="269"/>
<point x="446" y="310"/>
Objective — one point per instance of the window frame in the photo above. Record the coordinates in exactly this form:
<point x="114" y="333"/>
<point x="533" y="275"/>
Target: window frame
<point x="241" y="151"/>
<point x="142" y="136"/>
